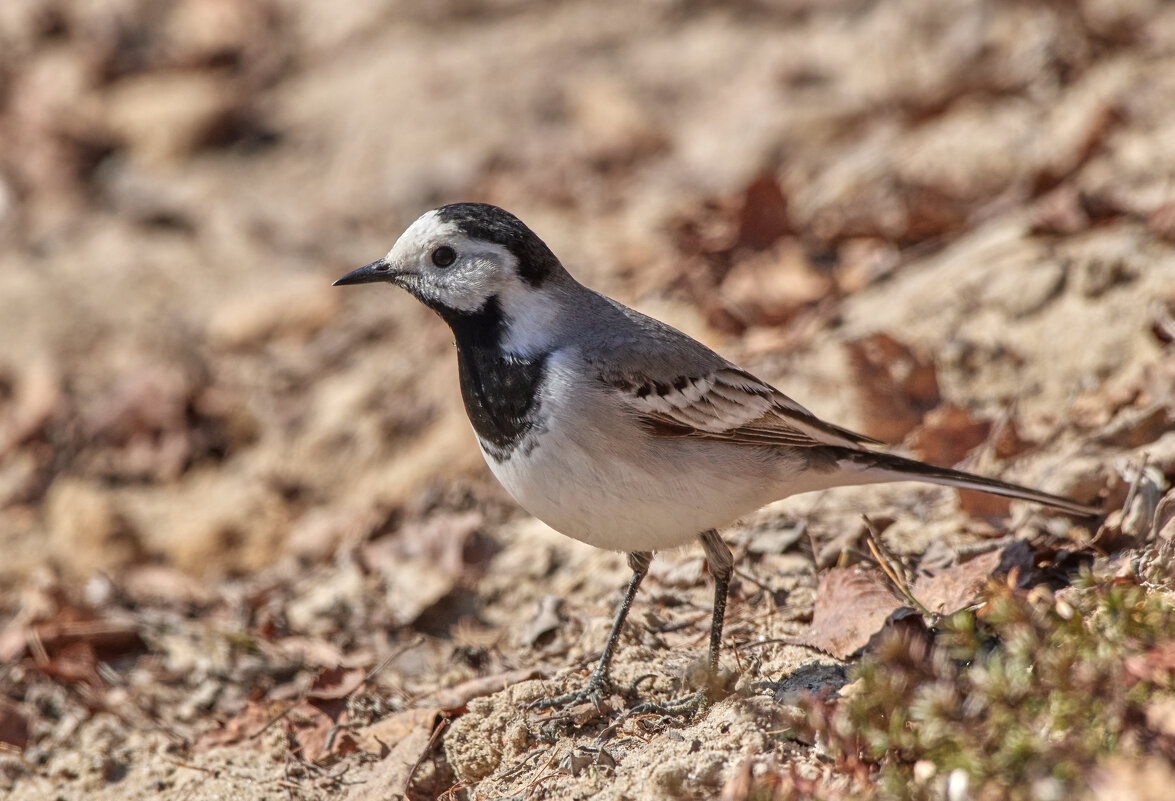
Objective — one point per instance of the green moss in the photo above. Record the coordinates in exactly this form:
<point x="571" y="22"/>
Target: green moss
<point x="1029" y="691"/>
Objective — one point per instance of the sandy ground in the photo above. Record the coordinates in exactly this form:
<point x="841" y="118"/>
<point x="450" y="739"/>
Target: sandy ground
<point x="948" y="225"/>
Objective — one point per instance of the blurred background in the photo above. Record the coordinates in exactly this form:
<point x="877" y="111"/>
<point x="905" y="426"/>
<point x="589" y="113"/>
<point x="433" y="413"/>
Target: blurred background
<point x="950" y="225"/>
<point x="180" y="181"/>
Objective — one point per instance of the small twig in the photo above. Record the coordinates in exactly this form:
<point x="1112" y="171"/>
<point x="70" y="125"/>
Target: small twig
<point x="772" y="641"/>
<point x="521" y="764"/>
<point x="895" y="578"/>
<point x="541" y="778"/>
<point x="1137" y="482"/>
<point x="744" y="575"/>
<point x="432" y="741"/>
<point x="1130" y="495"/>
<point x="36" y="646"/>
<point x="387" y="660"/>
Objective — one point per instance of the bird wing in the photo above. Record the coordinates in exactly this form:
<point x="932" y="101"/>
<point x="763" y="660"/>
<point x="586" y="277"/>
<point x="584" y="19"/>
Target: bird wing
<point x="677" y="387"/>
<point x="726" y="404"/>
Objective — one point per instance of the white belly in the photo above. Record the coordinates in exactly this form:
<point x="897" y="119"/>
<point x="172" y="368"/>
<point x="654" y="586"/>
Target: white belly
<point x="629" y="492"/>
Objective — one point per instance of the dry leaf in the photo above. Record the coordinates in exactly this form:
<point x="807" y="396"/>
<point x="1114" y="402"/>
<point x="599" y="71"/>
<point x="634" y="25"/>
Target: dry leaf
<point x="334" y="683"/>
<point x="954" y="588"/>
<point x="895" y="385"/>
<point x="309" y="724"/>
<point x="14" y="727"/>
<point x="385" y="734"/>
<point x="405" y="738"/>
<point x="244" y="725"/>
<point x="947" y="434"/>
<point x="425" y="561"/>
<point x="1008" y="441"/>
<point x="763" y="218"/>
<point x="770" y="288"/>
<point x="852" y="604"/>
<point x="984" y="505"/>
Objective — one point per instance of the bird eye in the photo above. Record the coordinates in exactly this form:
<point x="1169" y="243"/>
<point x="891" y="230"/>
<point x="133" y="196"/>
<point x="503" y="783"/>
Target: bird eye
<point x="444" y="256"/>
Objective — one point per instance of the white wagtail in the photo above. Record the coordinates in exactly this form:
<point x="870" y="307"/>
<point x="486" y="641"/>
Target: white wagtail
<point x="614" y="428"/>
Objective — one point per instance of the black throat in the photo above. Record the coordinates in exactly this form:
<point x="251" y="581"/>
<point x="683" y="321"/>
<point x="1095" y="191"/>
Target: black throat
<point x="500" y="390"/>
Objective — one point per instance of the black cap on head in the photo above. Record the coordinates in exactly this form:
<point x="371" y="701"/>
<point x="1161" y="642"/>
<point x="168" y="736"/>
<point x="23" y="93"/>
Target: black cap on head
<point x="536" y="262"/>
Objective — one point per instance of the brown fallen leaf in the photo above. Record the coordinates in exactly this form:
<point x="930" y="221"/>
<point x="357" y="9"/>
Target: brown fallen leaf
<point x="385" y="734"/>
<point x="1135" y="427"/>
<point x="762" y="217"/>
<point x="454" y="699"/>
<point x="334" y="683"/>
<point x="425" y="561"/>
<point x="947" y="434"/>
<point x="405" y="740"/>
<point x="984" y="505"/>
<point x="895" y="385"/>
<point x="951" y="589"/>
<point x="309" y="724"/>
<point x="1007" y="441"/>
<point x="852" y="604"/>
<point x="771" y="288"/>
<point x="243" y="726"/>
<point x="14" y="727"/>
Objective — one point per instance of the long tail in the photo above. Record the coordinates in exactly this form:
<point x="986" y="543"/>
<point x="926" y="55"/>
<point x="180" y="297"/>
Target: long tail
<point x="887" y="467"/>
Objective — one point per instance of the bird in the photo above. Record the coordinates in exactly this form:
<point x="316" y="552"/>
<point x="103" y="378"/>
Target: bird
<point x="612" y="427"/>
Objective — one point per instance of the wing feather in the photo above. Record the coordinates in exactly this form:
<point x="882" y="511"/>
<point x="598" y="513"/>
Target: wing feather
<point x="729" y="405"/>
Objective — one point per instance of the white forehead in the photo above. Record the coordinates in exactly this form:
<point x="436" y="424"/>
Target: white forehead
<point x="428" y="230"/>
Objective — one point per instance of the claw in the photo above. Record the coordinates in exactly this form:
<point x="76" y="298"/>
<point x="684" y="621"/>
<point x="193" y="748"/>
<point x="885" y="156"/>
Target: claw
<point x="685" y="707"/>
<point x="597" y="688"/>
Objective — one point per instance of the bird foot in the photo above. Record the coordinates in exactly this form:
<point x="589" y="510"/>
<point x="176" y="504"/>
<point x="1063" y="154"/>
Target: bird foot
<point x="598" y="688"/>
<point x="688" y="707"/>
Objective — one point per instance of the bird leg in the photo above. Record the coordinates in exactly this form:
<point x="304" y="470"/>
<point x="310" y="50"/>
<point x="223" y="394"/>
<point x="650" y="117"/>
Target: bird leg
<point x="721" y="562"/>
<point x="599" y="683"/>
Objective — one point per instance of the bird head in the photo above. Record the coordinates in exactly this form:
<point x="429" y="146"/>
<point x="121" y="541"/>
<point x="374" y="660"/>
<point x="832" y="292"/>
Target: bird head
<point x="459" y="258"/>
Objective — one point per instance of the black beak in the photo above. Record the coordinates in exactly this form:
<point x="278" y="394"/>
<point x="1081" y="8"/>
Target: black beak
<point x="367" y="274"/>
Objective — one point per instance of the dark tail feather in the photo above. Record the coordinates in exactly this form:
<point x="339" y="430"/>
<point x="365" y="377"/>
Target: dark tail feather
<point x="887" y="467"/>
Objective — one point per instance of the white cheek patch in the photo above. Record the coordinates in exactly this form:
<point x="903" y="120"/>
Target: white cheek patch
<point x="468" y="289"/>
